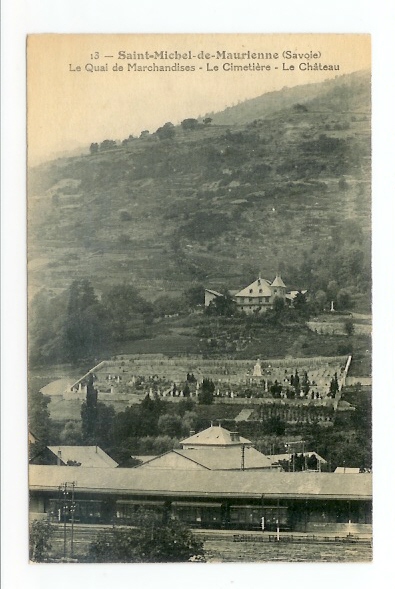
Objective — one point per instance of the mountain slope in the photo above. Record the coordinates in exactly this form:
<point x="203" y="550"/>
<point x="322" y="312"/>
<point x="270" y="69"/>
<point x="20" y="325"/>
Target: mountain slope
<point x="217" y="204"/>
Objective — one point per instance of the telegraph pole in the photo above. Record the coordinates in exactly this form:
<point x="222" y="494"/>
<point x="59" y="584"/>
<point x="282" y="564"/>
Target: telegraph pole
<point x="288" y="447"/>
<point x="72" y="518"/>
<point x="67" y="506"/>
<point x="63" y="496"/>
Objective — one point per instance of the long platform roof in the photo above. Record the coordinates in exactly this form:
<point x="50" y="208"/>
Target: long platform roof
<point x="224" y="484"/>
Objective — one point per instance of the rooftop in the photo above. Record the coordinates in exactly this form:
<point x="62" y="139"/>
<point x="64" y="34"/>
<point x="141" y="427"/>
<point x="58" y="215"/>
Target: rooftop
<point x="258" y="288"/>
<point x="215" y="435"/>
<point x="278" y="282"/>
<point x="219" y="458"/>
<point x="204" y="483"/>
<point x="87" y="456"/>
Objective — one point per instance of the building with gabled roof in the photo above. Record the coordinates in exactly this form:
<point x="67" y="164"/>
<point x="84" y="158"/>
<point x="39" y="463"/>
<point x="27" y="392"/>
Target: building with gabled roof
<point x="85" y="456"/>
<point x="211" y="458"/>
<point x="210" y="295"/>
<point x="258" y="296"/>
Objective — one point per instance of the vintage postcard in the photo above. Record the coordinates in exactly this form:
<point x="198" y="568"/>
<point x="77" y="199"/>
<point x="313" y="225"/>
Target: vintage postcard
<point x="199" y="292"/>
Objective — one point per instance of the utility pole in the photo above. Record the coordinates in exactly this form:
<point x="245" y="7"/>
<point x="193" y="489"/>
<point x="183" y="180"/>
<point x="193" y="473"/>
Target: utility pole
<point x="293" y="454"/>
<point x="67" y="505"/>
<point x="72" y="508"/>
<point x="63" y="498"/>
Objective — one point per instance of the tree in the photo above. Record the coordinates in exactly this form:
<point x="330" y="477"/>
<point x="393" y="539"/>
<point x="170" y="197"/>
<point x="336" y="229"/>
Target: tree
<point x="151" y="540"/>
<point x="94" y="148"/>
<point x="194" y="295"/>
<point x="107" y="144"/>
<point x="274" y="425"/>
<point x="321" y="299"/>
<point x="332" y="290"/>
<point x="47" y="322"/>
<point x="349" y="327"/>
<point x="343" y="184"/>
<point x="275" y="314"/>
<point x="189" y="124"/>
<point x="207" y="120"/>
<point x="166" y="132"/>
<point x="301" y="305"/>
<point x="189" y="421"/>
<point x="305" y="383"/>
<point x="39" y="417"/>
<point x="343" y="299"/>
<point x="97" y="419"/>
<point x="125" y="215"/>
<point x="170" y="425"/>
<point x="40" y="535"/>
<point x="123" y="308"/>
<point x="71" y="434"/>
<point x="85" y="322"/>
<point x="300" y="107"/>
<point x="89" y="412"/>
<point x="296" y="383"/>
<point x="167" y="305"/>
<point x="206" y="393"/>
<point x="223" y="306"/>
<point x="276" y="389"/>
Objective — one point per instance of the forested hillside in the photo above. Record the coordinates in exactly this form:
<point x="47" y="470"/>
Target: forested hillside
<point x="280" y="183"/>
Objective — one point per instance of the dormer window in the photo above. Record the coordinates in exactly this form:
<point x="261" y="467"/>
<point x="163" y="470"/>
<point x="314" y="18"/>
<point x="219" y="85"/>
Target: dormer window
<point x="250" y="290"/>
<point x="260" y="290"/>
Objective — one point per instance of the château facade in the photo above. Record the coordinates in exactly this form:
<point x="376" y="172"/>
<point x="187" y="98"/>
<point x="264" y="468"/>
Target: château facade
<point x="258" y="296"/>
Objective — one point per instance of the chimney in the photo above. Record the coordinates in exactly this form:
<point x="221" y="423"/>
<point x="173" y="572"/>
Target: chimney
<point x="235" y="436"/>
<point x="59" y="458"/>
<point x="192" y="432"/>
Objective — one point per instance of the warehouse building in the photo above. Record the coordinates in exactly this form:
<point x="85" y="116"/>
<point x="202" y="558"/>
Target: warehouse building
<point x="300" y="502"/>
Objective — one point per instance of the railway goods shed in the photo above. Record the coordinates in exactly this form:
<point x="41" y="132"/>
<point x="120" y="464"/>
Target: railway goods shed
<point x="301" y="501"/>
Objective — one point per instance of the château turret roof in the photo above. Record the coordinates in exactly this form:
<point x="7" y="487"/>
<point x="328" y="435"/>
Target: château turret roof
<point x="278" y="282"/>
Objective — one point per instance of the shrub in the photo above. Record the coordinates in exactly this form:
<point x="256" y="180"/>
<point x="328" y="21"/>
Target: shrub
<point x="150" y="541"/>
<point x="125" y="215"/>
<point x="40" y="540"/>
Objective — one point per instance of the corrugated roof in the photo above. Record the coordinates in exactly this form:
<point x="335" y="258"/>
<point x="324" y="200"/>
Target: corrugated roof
<point x="89" y="456"/>
<point x="204" y="483"/>
<point x="258" y="288"/>
<point x="214" y="436"/>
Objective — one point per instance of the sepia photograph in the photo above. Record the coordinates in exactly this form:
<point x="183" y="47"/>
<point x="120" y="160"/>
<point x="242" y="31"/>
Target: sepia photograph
<point x="199" y="283"/>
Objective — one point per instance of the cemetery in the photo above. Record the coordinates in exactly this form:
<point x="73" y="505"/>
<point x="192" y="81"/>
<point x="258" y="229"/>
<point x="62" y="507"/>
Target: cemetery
<point x="289" y="381"/>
